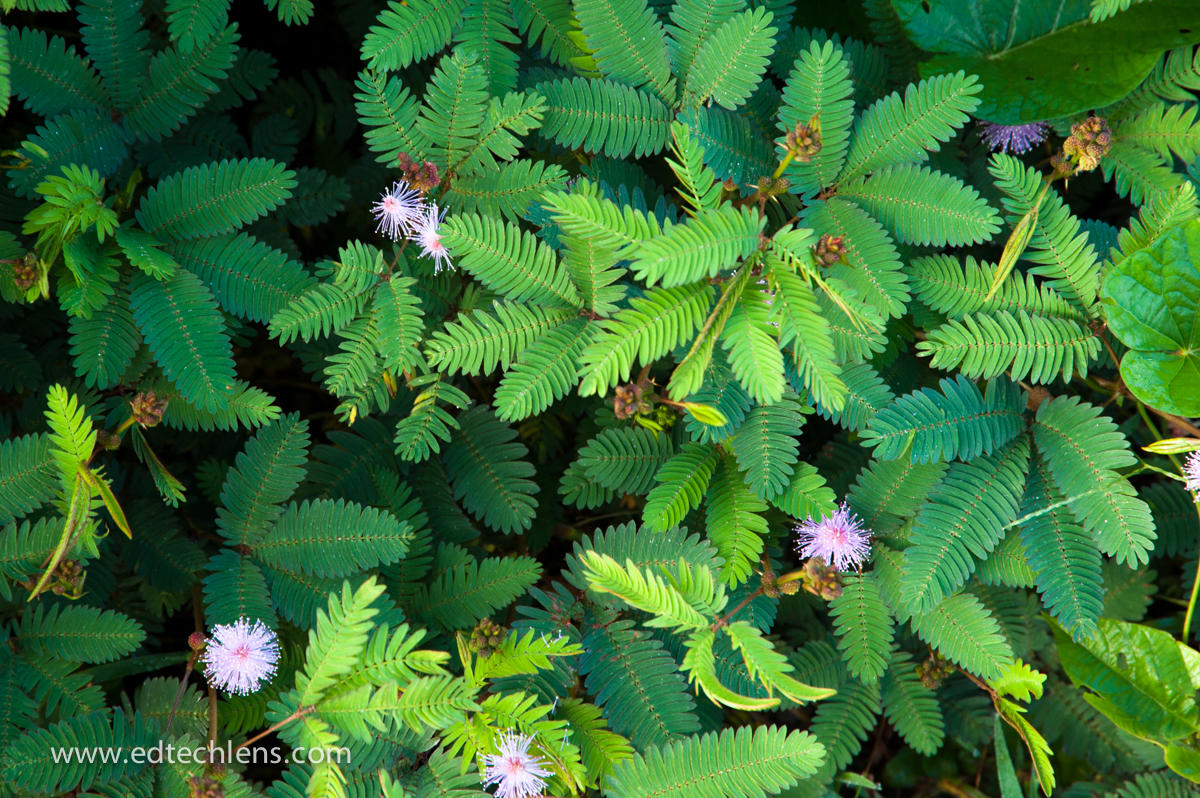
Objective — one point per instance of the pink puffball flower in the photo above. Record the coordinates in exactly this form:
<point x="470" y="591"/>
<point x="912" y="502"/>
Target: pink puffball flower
<point x="519" y="773"/>
<point x="398" y="211"/>
<point x="839" y="539"/>
<point x="240" y="657"/>
<point x="1013" y="138"/>
<point x="1191" y="475"/>
<point x="426" y="234"/>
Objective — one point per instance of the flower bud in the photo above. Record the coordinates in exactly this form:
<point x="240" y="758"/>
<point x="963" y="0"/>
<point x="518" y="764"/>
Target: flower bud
<point x="804" y="141"/>
<point x="147" y="408"/>
<point x="421" y="176"/>
<point x="829" y="249"/>
<point x="487" y="637"/>
<point x="26" y="272"/>
<point x="1090" y="140"/>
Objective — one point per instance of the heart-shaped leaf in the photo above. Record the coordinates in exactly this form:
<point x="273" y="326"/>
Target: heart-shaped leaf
<point x="1152" y="300"/>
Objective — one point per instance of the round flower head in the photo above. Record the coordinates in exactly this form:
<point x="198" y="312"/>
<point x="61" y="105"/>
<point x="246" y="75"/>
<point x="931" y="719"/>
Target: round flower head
<point x="518" y="773"/>
<point x="1013" y="138"/>
<point x="240" y="657"/>
<point x="427" y="236"/>
<point x="398" y="210"/>
<point x="838" y="539"/>
<point x="1191" y="473"/>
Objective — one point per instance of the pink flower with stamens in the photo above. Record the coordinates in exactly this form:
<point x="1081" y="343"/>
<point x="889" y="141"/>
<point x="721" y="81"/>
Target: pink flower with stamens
<point x="839" y="539"/>
<point x="427" y="235"/>
<point x="398" y="211"/>
<point x="1191" y="475"/>
<point x="518" y="773"/>
<point x="1013" y="138"/>
<point x="240" y="657"/>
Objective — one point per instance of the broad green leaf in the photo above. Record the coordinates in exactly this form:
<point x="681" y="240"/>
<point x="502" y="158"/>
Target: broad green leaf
<point x="1041" y="61"/>
<point x="1141" y="678"/>
<point x="1151" y="299"/>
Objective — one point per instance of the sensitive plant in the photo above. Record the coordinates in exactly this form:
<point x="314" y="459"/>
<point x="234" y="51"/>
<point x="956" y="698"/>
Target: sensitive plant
<point x="602" y="397"/>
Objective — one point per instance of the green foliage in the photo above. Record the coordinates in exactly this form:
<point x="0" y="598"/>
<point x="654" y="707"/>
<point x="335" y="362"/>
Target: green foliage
<point x="488" y="473"/>
<point x="1161" y="368"/>
<point x="604" y="116"/>
<point x="864" y="627"/>
<point x="698" y="269"/>
<point x="179" y="321"/>
<point x="958" y="422"/>
<point x="964" y="518"/>
<point x="757" y="763"/>
<point x="1042" y="48"/>
<point x="1081" y="450"/>
<point x="966" y="633"/>
<point x="1135" y="675"/>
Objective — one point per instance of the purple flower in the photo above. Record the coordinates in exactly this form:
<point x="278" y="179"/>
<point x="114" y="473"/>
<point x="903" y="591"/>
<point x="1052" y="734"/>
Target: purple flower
<point x="1013" y="138"/>
<point x="240" y="657"/>
<point x="839" y="539"/>
<point x="398" y="210"/>
<point x="1191" y="474"/>
<point x="519" y="773"/>
<point x="429" y="238"/>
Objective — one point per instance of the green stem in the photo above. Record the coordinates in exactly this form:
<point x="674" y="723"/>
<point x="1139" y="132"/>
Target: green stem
<point x="1191" y="605"/>
<point x="787" y="159"/>
<point x="1141" y="408"/>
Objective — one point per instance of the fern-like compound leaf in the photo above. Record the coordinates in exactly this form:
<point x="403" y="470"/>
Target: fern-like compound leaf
<point x="544" y="372"/>
<point x="963" y="520"/>
<point x="958" y="422"/>
<point x="730" y="63"/>
<point x="709" y="242"/>
<point x="80" y="633"/>
<point x="1059" y="247"/>
<point x="182" y="324"/>
<point x="692" y="23"/>
<point x="872" y="266"/>
<point x="1064" y="558"/>
<point x="333" y="539"/>
<point x="959" y="290"/>
<point x="508" y="260"/>
<point x="765" y="446"/>
<point x="864" y="627"/>
<point x="637" y="685"/>
<point x="682" y="482"/>
<point x="179" y="83"/>
<point x="462" y="594"/>
<point x="912" y="707"/>
<point x="1082" y="449"/>
<point x="735" y="523"/>
<point x="626" y="459"/>
<point x="628" y="43"/>
<point x="1041" y="349"/>
<point x="605" y="116"/>
<point x="486" y="467"/>
<point x="963" y="630"/>
<point x="117" y="45"/>
<point x="921" y="206"/>
<point x="649" y="328"/>
<point x="261" y="479"/>
<point x="338" y="638"/>
<point x="409" y="31"/>
<point x="453" y="109"/>
<point x="214" y="198"/>
<point x="756" y="762"/>
<point x="481" y="341"/>
<point x="819" y="85"/>
<point x="897" y="131"/>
